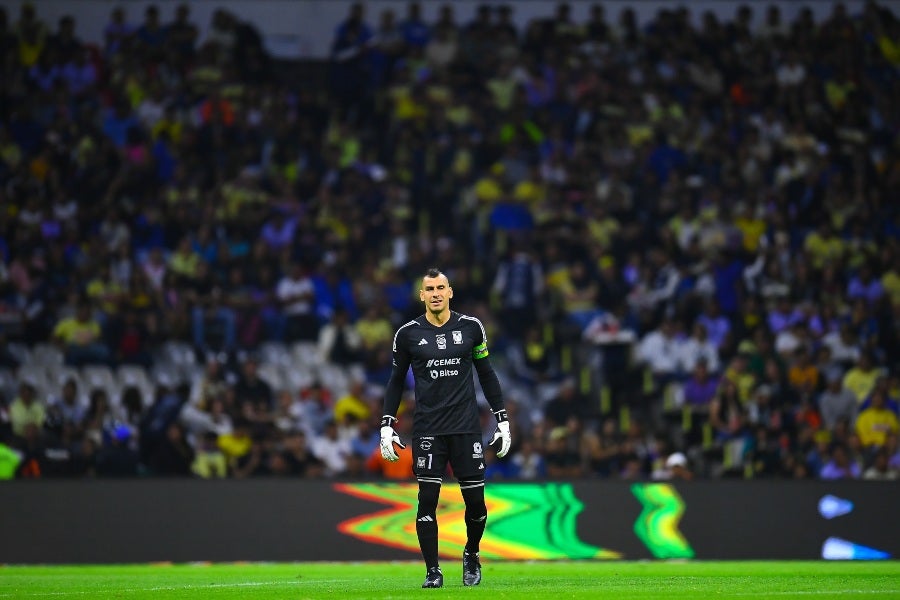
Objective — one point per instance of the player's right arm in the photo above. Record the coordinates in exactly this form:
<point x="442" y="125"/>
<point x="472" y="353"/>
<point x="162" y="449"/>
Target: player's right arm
<point x="392" y="395"/>
<point x="400" y="361"/>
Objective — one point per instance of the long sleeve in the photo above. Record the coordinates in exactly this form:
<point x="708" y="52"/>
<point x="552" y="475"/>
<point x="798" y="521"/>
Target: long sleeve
<point x="394" y="389"/>
<point x="490" y="384"/>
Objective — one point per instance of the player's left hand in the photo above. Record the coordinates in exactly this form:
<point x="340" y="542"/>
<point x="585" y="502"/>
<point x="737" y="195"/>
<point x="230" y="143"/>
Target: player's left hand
<point x="504" y="436"/>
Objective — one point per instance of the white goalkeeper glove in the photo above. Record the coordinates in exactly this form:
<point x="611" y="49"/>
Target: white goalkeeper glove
<point x="389" y="437"/>
<point x="502" y="434"/>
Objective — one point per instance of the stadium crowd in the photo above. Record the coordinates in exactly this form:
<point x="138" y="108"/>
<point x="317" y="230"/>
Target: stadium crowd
<point x="679" y="233"/>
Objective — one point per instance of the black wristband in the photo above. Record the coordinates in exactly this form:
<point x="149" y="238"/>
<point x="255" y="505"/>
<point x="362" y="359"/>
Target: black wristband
<point x="387" y="421"/>
<point x="501" y="415"/>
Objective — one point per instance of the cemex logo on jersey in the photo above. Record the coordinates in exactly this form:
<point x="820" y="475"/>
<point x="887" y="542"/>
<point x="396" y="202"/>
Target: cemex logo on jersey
<point x="443" y="362"/>
<point x="441" y="340"/>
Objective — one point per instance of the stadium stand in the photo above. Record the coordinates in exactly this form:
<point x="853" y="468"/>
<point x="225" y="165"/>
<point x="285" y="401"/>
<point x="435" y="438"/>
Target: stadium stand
<point x="681" y="234"/>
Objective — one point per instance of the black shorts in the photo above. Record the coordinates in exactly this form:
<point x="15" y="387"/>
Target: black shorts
<point x="464" y="452"/>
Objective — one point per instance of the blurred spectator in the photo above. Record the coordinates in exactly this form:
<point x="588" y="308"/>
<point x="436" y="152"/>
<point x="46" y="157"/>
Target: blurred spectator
<point x="399" y="470"/>
<point x="333" y="451"/>
<point x="68" y="412"/>
<point x="253" y="395"/>
<point x="255" y="462"/>
<point x="173" y="456"/>
<point x="862" y="377"/>
<point x="840" y="466"/>
<point x="837" y="402"/>
<point x="565" y="407"/>
<point x="517" y="286"/>
<point x="208" y="309"/>
<point x="339" y="341"/>
<point x="117" y="32"/>
<point x="561" y="455"/>
<point x="81" y="338"/>
<point x="296" y="294"/>
<point x="209" y="460"/>
<point x="353" y="406"/>
<point x="881" y="469"/>
<point x="299" y="461"/>
<point x="698" y="347"/>
<point x="26" y="409"/>
<point x="675" y="467"/>
<point x="528" y="463"/>
<point x="236" y="444"/>
<point x="700" y="388"/>
<point x="181" y="34"/>
<point x="150" y="37"/>
<point x="660" y="350"/>
<point x="876" y="422"/>
<point x="116" y="458"/>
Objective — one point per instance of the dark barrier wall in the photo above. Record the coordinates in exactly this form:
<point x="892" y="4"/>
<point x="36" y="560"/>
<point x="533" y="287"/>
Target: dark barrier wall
<point x="181" y="521"/>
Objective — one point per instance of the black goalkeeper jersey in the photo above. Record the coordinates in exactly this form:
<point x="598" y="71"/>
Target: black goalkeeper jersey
<point x="442" y="359"/>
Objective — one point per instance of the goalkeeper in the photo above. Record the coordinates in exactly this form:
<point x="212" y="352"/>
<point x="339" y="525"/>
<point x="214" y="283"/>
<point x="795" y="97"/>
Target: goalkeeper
<point x="442" y="346"/>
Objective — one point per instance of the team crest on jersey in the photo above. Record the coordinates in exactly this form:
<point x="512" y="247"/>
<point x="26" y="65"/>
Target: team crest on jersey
<point x="441" y="340"/>
<point x="476" y="447"/>
<point x="420" y="462"/>
<point x="457" y="336"/>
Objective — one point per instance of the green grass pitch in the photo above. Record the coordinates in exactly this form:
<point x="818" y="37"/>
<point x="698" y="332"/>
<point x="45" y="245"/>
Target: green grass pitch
<point x="656" y="580"/>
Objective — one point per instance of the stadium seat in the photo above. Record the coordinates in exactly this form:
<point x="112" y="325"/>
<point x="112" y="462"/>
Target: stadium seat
<point x="58" y="375"/>
<point x="37" y="376"/>
<point x="8" y="385"/>
<point x="180" y="357"/>
<point x="47" y="355"/>
<point x="306" y="353"/>
<point x="102" y="377"/>
<point x="275" y="353"/>
<point x="334" y="378"/>
<point x="167" y="375"/>
<point x="298" y="377"/>
<point x="21" y="352"/>
<point x="136" y="376"/>
<point x="273" y="374"/>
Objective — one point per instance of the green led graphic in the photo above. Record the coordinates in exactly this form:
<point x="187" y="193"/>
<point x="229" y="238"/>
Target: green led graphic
<point x="657" y="525"/>
<point x="527" y="521"/>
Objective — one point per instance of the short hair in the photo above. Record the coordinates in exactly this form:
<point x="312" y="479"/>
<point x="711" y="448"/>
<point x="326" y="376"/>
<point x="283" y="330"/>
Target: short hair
<point x="433" y="272"/>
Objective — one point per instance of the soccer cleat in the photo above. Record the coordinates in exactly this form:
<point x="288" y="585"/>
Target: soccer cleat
<point x="471" y="568"/>
<point x="434" y="578"/>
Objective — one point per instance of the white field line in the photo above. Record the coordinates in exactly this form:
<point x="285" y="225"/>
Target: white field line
<point x="175" y="588"/>
<point x="170" y="588"/>
<point x="813" y="593"/>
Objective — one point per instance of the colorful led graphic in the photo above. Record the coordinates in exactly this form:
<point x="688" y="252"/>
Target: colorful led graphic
<point x="831" y="507"/>
<point x="836" y="548"/>
<point x="526" y="522"/>
<point x="657" y="525"/>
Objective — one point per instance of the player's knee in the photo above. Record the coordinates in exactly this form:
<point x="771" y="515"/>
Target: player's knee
<point x="428" y="498"/>
<point x="473" y="495"/>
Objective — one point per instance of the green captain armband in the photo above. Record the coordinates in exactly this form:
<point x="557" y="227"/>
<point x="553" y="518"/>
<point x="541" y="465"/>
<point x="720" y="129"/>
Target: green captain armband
<point x="480" y="351"/>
